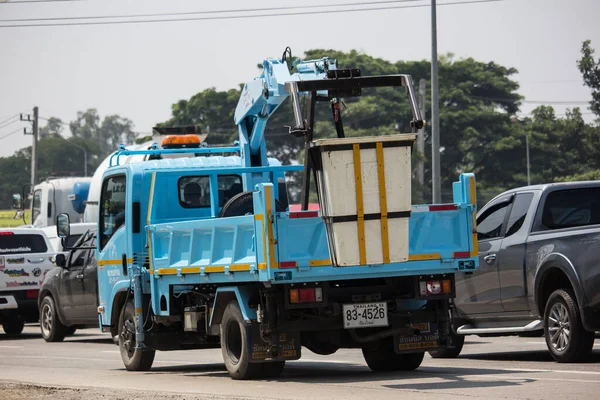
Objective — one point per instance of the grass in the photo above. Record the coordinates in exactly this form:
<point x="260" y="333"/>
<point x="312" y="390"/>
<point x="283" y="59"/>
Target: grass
<point x="7" y="218"/>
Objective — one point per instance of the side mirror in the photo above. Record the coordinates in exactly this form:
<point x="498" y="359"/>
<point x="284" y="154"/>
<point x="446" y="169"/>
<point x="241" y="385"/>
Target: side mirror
<point x="63" y="228"/>
<point x="17" y="201"/>
<point x="61" y="260"/>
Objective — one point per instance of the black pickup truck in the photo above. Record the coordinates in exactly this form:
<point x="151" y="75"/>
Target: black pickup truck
<point x="68" y="297"/>
<point x="539" y="270"/>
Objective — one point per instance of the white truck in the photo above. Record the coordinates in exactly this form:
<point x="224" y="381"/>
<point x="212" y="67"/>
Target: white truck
<point x="25" y="256"/>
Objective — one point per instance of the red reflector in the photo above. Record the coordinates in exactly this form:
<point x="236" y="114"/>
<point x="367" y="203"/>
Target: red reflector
<point x="304" y="214"/>
<point x="461" y="254"/>
<point x="307" y="295"/>
<point x="442" y="207"/>
<point x="6" y="233"/>
<point x="288" y="264"/>
<point x="32" y="293"/>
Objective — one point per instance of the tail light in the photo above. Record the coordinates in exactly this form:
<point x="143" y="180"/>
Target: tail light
<point x="435" y="287"/>
<point x="306" y="295"/>
<point x="5" y="233"/>
<point x="32" y="294"/>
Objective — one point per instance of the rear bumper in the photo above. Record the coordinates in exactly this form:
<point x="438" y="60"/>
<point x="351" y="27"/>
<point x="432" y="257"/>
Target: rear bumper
<point x="16" y="303"/>
<point x="8" y="302"/>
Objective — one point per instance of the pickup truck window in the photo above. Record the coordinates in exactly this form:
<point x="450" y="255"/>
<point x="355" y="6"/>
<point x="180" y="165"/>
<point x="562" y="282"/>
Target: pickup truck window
<point x="571" y="208"/>
<point x="112" y="214"/>
<point x="22" y="244"/>
<point x="194" y="191"/>
<point x="518" y="212"/>
<point x="489" y="225"/>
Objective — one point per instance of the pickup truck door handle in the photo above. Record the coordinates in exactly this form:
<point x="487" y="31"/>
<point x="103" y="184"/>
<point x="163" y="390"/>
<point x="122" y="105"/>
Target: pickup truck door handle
<point x="490" y="258"/>
<point x="80" y="276"/>
<point x="35" y="260"/>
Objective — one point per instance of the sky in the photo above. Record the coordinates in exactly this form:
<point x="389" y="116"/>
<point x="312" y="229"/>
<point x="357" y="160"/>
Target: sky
<point x="139" y="70"/>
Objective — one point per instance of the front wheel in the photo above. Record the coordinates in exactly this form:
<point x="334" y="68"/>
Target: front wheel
<point x="13" y="325"/>
<point x="52" y="329"/>
<point x="566" y="338"/>
<point x="380" y="357"/>
<point x="134" y="359"/>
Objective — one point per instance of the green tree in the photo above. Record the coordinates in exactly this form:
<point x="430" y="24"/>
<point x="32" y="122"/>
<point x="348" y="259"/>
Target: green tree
<point x="590" y="69"/>
<point x="53" y="126"/>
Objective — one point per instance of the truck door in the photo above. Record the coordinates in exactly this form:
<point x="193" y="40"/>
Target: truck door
<point x="479" y="292"/>
<point x="512" y="267"/>
<point x="112" y="237"/>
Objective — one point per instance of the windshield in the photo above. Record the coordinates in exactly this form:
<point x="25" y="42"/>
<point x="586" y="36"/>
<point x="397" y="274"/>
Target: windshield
<point x="22" y="244"/>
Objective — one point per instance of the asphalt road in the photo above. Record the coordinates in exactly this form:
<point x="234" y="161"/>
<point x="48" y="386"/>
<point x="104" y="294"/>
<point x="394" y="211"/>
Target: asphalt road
<point x="488" y="368"/>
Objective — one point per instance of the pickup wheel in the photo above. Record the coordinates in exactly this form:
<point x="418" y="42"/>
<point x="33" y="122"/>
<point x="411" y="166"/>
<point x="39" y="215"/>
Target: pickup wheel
<point x="567" y="339"/>
<point x="234" y="345"/>
<point x="13" y="325"/>
<point x="52" y="329"/>
<point x="380" y="357"/>
<point x="458" y="342"/>
<point x="134" y="359"/>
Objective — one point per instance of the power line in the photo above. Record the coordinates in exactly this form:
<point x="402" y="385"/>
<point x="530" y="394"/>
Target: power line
<point x="208" y="12"/>
<point x="228" y="17"/>
<point x="37" y="1"/>
<point x="8" y="119"/>
<point x="9" y="123"/>
<point x="12" y="133"/>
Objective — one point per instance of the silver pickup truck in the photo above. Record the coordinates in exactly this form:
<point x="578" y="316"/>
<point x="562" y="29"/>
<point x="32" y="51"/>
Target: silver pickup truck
<point x="539" y="270"/>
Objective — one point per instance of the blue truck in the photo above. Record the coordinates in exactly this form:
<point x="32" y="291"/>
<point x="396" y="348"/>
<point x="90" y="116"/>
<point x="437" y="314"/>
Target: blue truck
<point x="197" y="247"/>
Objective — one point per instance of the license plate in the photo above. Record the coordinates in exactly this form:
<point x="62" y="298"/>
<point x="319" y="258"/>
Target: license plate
<point x="365" y="315"/>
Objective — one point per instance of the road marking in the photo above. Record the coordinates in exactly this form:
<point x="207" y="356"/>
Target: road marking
<point x="544" y="343"/>
<point x="328" y="361"/>
<point x="559" y="371"/>
<point x="12" y="347"/>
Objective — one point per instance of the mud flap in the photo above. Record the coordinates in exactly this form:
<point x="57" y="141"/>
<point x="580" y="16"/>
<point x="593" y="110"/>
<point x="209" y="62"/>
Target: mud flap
<point x="288" y="347"/>
<point x="428" y="338"/>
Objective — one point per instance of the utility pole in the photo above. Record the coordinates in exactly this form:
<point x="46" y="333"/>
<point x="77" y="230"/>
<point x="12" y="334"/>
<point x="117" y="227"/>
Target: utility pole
<point x="527" y="150"/>
<point x="421" y="143"/>
<point x="435" y="123"/>
<point x="34" y="132"/>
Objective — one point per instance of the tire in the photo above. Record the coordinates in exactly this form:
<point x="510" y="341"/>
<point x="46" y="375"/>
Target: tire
<point x="52" y="329"/>
<point x="322" y="348"/>
<point x="133" y="359"/>
<point x="242" y="204"/>
<point x="13" y="325"/>
<point x="380" y="357"/>
<point x="566" y="337"/>
<point x="458" y="341"/>
<point x="272" y="369"/>
<point x="234" y="345"/>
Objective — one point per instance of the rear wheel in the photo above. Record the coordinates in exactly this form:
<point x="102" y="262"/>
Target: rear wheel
<point x="234" y="345"/>
<point x="13" y="325"/>
<point x="236" y="354"/>
<point x="134" y="359"/>
<point x="566" y="338"/>
<point x="380" y="357"/>
<point x="52" y="329"/>
<point x="458" y="342"/>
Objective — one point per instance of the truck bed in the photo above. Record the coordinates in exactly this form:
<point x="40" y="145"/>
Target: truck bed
<point x="292" y="246"/>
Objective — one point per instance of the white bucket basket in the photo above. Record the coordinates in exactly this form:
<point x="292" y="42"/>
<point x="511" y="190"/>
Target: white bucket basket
<point x="364" y="187"/>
